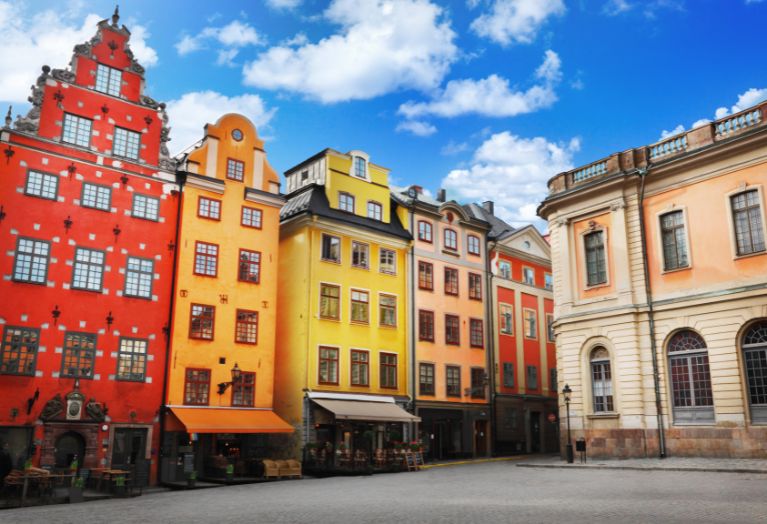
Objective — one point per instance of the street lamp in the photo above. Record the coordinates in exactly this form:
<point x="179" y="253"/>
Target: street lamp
<point x="566" y="391"/>
<point x="236" y="375"/>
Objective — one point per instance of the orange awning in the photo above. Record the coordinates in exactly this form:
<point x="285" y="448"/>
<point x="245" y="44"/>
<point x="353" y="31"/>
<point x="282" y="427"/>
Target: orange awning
<point x="216" y="420"/>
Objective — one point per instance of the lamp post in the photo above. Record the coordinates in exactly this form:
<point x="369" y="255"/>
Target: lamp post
<point x="236" y="374"/>
<point x="566" y="391"/>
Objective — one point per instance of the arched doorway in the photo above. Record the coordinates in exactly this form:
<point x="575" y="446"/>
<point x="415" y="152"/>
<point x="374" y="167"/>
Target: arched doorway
<point x="754" y="344"/>
<point x="68" y="446"/>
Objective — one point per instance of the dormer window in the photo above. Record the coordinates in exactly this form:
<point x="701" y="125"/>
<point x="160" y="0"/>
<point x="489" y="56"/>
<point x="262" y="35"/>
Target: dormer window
<point x="108" y="80"/>
<point x="346" y="202"/>
<point x="360" y="167"/>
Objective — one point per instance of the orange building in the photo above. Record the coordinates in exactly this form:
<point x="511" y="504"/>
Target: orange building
<point x="221" y="365"/>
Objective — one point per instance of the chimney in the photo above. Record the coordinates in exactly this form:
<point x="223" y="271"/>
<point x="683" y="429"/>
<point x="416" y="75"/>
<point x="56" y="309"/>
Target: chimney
<point x="489" y="206"/>
<point x="441" y="195"/>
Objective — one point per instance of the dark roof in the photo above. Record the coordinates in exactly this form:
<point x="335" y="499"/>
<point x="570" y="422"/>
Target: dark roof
<point x="311" y="199"/>
<point x="498" y="228"/>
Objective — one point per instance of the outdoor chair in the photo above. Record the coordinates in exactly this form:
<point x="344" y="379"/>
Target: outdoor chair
<point x="291" y="468"/>
<point x="271" y="470"/>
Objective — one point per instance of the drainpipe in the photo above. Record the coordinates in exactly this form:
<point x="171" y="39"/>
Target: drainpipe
<point x="489" y="299"/>
<point x="642" y="173"/>
<point x="414" y="326"/>
<point x="180" y="180"/>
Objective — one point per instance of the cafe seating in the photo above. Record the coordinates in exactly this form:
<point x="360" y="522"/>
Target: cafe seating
<point x="271" y="470"/>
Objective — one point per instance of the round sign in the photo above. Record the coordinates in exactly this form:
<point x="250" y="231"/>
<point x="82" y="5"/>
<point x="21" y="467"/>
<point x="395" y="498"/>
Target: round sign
<point x="237" y="134"/>
<point x="552" y="417"/>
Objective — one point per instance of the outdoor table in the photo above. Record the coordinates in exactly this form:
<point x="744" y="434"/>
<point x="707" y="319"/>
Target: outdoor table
<point x="108" y="474"/>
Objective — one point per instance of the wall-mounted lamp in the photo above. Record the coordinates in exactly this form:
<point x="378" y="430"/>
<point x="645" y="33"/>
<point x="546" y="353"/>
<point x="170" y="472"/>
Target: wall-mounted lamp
<point x="236" y="377"/>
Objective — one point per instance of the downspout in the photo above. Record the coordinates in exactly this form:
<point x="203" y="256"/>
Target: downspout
<point x="414" y="327"/>
<point x="651" y="315"/>
<point x="180" y="180"/>
<point x="489" y="299"/>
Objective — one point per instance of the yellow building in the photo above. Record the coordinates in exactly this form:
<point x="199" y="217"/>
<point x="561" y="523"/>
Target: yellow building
<point x="343" y="369"/>
<point x="221" y="365"/>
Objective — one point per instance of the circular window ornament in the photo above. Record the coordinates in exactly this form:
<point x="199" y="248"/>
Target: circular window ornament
<point x="237" y="134"/>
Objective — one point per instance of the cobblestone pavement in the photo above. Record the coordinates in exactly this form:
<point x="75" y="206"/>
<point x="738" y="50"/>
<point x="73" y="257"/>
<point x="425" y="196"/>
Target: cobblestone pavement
<point x="669" y="463"/>
<point x="487" y="492"/>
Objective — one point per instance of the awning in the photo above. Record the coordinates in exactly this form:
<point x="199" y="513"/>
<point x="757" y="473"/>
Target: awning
<point x="356" y="410"/>
<point x="213" y="420"/>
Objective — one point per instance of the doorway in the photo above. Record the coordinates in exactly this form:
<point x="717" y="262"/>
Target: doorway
<point x="128" y="447"/>
<point x="535" y="432"/>
<point x="480" y="438"/>
<point x="69" y="446"/>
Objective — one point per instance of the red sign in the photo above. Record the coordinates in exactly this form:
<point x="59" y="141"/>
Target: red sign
<point x="552" y="417"/>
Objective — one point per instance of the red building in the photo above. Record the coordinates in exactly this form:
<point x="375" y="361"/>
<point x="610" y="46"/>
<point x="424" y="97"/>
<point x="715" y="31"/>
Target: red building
<point x="525" y="378"/>
<point x="87" y="229"/>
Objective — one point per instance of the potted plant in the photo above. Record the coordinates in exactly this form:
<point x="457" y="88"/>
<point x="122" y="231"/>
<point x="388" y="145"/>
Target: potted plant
<point x="229" y="472"/>
<point x="76" y="490"/>
<point x="191" y="479"/>
<point x="120" y="486"/>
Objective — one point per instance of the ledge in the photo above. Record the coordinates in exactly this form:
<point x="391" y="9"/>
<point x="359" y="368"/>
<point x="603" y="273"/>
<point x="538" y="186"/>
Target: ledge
<point x="603" y="416"/>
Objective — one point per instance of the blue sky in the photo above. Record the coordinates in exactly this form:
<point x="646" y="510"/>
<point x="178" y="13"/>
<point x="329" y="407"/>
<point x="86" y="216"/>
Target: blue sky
<point x="488" y="98"/>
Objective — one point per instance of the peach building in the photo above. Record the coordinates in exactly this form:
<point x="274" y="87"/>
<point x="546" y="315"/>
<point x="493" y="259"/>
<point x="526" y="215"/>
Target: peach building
<point x="660" y="279"/>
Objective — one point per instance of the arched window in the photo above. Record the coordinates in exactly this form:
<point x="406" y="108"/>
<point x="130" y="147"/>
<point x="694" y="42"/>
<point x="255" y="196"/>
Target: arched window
<point x="693" y="401"/>
<point x="755" y="359"/>
<point x="601" y="380"/>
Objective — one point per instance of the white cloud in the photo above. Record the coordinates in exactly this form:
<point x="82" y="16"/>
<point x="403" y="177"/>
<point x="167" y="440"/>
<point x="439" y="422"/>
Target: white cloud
<point x="454" y="148"/>
<point x="283" y="4"/>
<point x="417" y="127"/>
<point x="189" y="114"/>
<point x="231" y="37"/>
<point x="616" y="7"/>
<point x="382" y="46"/>
<point x="648" y="8"/>
<point x="517" y="21"/>
<point x="665" y="134"/>
<point x="747" y="99"/>
<point x="26" y="47"/>
<point x="513" y="172"/>
<point x="491" y="96"/>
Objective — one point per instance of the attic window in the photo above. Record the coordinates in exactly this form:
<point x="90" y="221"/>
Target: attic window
<point x="304" y="176"/>
<point x="360" y="167"/>
<point x="108" y="80"/>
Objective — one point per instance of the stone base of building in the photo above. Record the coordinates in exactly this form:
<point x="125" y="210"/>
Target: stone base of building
<point x="525" y="424"/>
<point x="714" y="442"/>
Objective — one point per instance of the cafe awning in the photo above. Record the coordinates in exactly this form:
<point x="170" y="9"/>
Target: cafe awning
<point x="357" y="410"/>
<point x="222" y="420"/>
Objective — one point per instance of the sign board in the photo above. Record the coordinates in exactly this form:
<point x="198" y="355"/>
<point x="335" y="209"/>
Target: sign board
<point x="188" y="464"/>
<point x="552" y="417"/>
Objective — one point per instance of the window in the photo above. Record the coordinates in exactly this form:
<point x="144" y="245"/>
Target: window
<point x="532" y="377"/>
<point x="553" y="380"/>
<point x="747" y="218"/>
<point x="108" y="80"/>
<point x="426" y="325"/>
<point x="755" y="360"/>
<point x="388" y="369"/>
<point x="475" y="286"/>
<point x="42" y="185"/>
<point x="424" y="231"/>
<point x="346" y="202"/>
<point x="425" y="276"/>
<point x="693" y="400"/>
<point x="387" y="261"/>
<point x="196" y="387"/>
<point x="453" y="381"/>
<point x="235" y="169"/>
<point x="205" y="259"/>
<point x="360" y="306"/>
<point x="328" y="365"/>
<point x="131" y="359"/>
<point x="504" y="269"/>
<point x="329" y="301"/>
<point x="452" y="330"/>
<point x="426" y="379"/>
<point x="477" y="383"/>
<point x="550" y="327"/>
<point x="18" y="352"/>
<point x="76" y="130"/>
<point x="209" y="208"/>
<point x="126" y="143"/>
<point x="202" y="320"/>
<point x="548" y="281"/>
<point x="79" y="355"/>
<point x="360" y="368"/>
<point x="508" y="375"/>
<point x="249" y="269"/>
<point x="88" y="269"/>
<point x="387" y="310"/>
<point x="673" y="239"/>
<point x="473" y="244"/>
<point x="244" y="390"/>
<point x="601" y="380"/>
<point x="528" y="275"/>
<point x="360" y="255"/>
<point x="451" y="281"/>
<point x="506" y="312"/>
<point x="251" y="217"/>
<point x="360" y="167"/>
<point x="139" y="273"/>
<point x="451" y="240"/>
<point x="331" y="248"/>
<point x="246" y="327"/>
<point x="145" y="207"/>
<point x="375" y="210"/>
<point x="596" y="272"/>
<point x="31" y="262"/>
<point x="476" y="333"/>
<point x="97" y="197"/>
<point x="531" y="329"/>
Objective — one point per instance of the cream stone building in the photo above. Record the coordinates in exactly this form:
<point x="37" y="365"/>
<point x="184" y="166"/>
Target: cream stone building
<point x="660" y="279"/>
